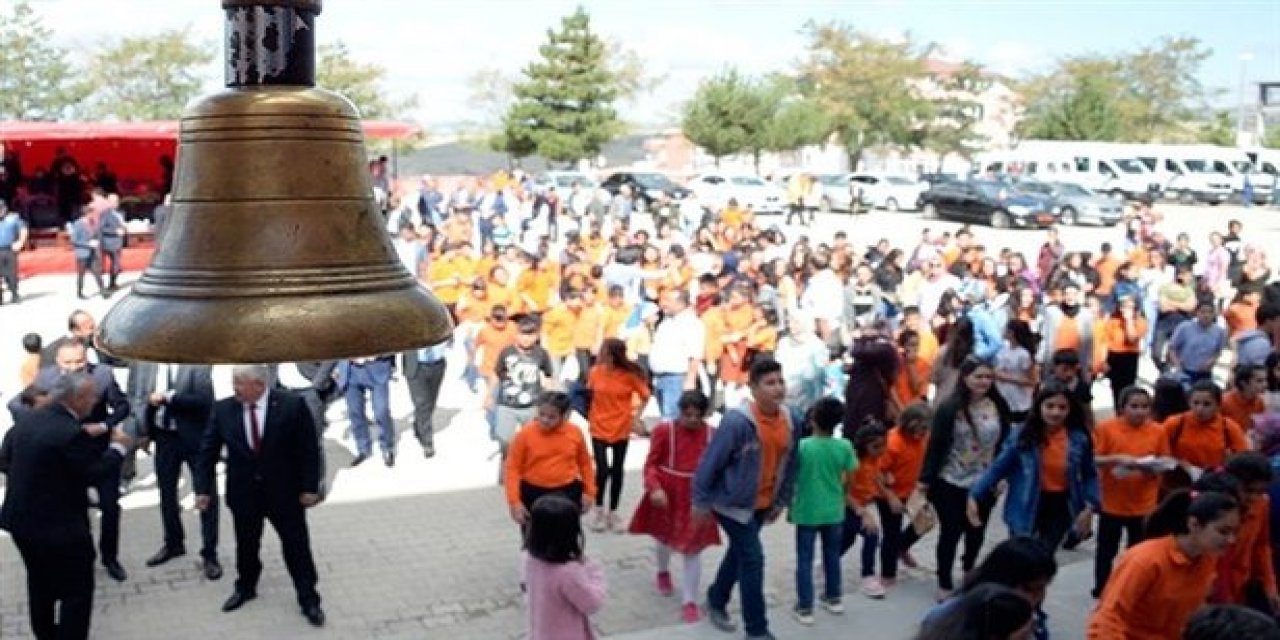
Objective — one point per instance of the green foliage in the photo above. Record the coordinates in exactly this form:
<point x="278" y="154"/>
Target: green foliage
<point x="1272" y="138"/>
<point x="950" y="128"/>
<point x="792" y="120"/>
<point x="1077" y="103"/>
<point x="563" y="107"/>
<point x="148" y="77"/>
<point x="725" y="114"/>
<point x="1219" y="130"/>
<point x="361" y="83"/>
<point x="865" y="84"/>
<point x="36" y="80"/>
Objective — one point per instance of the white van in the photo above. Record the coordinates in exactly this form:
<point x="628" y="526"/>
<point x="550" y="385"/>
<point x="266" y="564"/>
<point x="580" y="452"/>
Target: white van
<point x="1099" y="168"/>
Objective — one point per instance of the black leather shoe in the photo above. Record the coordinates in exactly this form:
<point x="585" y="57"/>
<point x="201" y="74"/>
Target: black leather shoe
<point x="314" y="614"/>
<point x="428" y="451"/>
<point x="114" y="570"/>
<point x="358" y="460"/>
<point x="237" y="600"/>
<point x="389" y="458"/>
<point x="165" y="554"/>
<point x="212" y="570"/>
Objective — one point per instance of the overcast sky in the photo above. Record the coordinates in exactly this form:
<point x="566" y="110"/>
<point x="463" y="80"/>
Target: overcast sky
<point x="431" y="47"/>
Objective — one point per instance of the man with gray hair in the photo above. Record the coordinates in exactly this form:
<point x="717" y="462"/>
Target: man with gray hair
<point x="273" y="474"/>
<point x="51" y="460"/>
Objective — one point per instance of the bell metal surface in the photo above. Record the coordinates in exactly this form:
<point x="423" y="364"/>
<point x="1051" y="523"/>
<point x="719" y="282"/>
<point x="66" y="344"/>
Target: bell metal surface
<point x="275" y="250"/>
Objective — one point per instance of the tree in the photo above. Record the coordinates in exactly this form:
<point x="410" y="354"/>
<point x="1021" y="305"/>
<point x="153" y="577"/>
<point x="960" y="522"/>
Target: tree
<point x="724" y="115"/>
<point x="36" y="80"/>
<point x="563" y="107"/>
<point x="866" y="85"/>
<point x="1219" y="130"/>
<point x="146" y="77"/>
<point x="793" y="120"/>
<point x="361" y="83"/>
<point x="1081" y="101"/>
<point x="950" y="129"/>
<point x="1164" y="89"/>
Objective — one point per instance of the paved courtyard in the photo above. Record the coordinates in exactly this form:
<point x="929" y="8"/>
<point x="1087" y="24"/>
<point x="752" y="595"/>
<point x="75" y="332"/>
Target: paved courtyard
<point x="425" y="549"/>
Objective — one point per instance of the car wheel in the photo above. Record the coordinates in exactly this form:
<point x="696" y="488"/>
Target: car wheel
<point x="929" y="212"/>
<point x="891" y="204"/>
<point x="1000" y="219"/>
<point x="1070" y="217"/>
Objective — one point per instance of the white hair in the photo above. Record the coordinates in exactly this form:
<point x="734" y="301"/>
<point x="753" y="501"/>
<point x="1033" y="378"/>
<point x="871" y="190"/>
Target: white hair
<point x="257" y="372"/>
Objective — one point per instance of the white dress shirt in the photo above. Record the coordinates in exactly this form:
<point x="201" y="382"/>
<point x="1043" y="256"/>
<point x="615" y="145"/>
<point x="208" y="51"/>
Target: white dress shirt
<point x="676" y="341"/>
<point x="260" y="408"/>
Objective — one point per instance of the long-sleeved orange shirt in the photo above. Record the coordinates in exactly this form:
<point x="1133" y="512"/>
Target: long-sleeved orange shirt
<point x="902" y="460"/>
<point x="614" y="394"/>
<point x="1249" y="558"/>
<point x="548" y="458"/>
<point x="1152" y="592"/>
<point x="865" y="487"/>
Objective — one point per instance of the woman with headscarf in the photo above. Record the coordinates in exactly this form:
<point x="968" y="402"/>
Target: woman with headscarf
<point x="868" y="392"/>
<point x="803" y="357"/>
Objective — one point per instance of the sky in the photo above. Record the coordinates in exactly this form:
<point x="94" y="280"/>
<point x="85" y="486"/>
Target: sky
<point x="431" y="48"/>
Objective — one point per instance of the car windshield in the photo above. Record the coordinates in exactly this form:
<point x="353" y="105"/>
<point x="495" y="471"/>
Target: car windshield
<point x="991" y="189"/>
<point x="834" y="180"/>
<point x="653" y="181"/>
<point x="1128" y="165"/>
<point x="898" y="180"/>
<point x="1243" y="166"/>
<point x="1034" y="187"/>
<point x="747" y="181"/>
<point x="1073" y="190"/>
<point x="1198" y="166"/>
<point x="564" y="181"/>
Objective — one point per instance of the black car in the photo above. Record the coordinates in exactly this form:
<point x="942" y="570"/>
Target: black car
<point x="987" y="202"/>
<point x="646" y="185"/>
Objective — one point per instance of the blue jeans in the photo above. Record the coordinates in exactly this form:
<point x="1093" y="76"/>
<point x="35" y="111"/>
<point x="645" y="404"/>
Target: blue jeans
<point x="668" y="387"/>
<point x="852" y="528"/>
<point x="806" y="537"/>
<point x="743" y="564"/>
<point x="357" y="386"/>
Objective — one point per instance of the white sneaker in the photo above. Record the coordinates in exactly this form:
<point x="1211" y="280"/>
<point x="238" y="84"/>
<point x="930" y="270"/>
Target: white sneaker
<point x="833" y="606"/>
<point x="599" y="523"/>
<point x="803" y="616"/>
<point x="872" y="587"/>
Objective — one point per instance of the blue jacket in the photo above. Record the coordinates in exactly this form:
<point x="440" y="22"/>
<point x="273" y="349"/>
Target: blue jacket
<point x="728" y="476"/>
<point x="82" y="235"/>
<point x="1021" y="468"/>
<point x="988" y="333"/>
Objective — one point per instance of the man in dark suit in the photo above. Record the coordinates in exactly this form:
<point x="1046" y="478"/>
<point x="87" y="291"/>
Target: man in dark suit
<point x="369" y="376"/>
<point x="313" y="380"/>
<point x="110" y="410"/>
<point x="424" y="372"/>
<point x="50" y="460"/>
<point x="172" y="403"/>
<point x="81" y="327"/>
<point x="273" y="460"/>
<point x="85" y="245"/>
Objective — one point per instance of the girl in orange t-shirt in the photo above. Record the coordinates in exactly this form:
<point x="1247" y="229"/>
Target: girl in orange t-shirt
<point x="1202" y="437"/>
<point x="1245" y="570"/>
<point x="860" y="518"/>
<point x="1245" y="400"/>
<point x="912" y="383"/>
<point x="900" y="471"/>
<point x="736" y="316"/>
<point x="619" y="390"/>
<point x="1123" y="331"/>
<point x="1158" y="584"/>
<point x="762" y="335"/>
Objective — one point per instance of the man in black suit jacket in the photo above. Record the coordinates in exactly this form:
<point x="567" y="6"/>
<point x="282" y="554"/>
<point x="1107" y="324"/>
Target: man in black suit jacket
<point x="81" y="327"/>
<point x="273" y="462"/>
<point x="110" y="409"/>
<point x="172" y="403"/>
<point x="50" y="460"/>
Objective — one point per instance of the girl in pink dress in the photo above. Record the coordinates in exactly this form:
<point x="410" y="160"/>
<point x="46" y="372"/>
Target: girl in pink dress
<point x="666" y="513"/>
<point x="564" y="587"/>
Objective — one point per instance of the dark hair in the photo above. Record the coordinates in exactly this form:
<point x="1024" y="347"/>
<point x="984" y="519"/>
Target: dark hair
<point x="31" y="343"/>
<point x="906" y="336"/>
<point x="1170" y="518"/>
<point x="1266" y="312"/>
<point x="1249" y="467"/>
<point x="960" y="342"/>
<point x="825" y="414"/>
<point x="555" y="530"/>
<point x="1243" y="372"/>
<point x="694" y="399"/>
<point x="1230" y="622"/>
<point x="558" y="400"/>
<point x="1169" y="399"/>
<point x="1206" y="386"/>
<point x="617" y="350"/>
<point x="870" y="430"/>
<point x="1033" y="433"/>
<point x="1022" y="335"/>
<point x="1066" y="357"/>
<point x="762" y="367"/>
<point x="1014" y="563"/>
<point x="1273" y="361"/>
<point x="988" y="612"/>
<point x="528" y="324"/>
<point x="1128" y="393"/>
<point x="961" y="397"/>
<point x="914" y="412"/>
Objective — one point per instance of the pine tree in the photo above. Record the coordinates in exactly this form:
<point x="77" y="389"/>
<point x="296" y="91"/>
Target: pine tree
<point x="564" y="104"/>
<point x="36" y="80"/>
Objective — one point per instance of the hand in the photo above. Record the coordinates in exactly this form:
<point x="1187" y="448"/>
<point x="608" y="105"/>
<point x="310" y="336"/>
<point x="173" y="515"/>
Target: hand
<point x="973" y="513"/>
<point x="309" y="500"/>
<point x="488" y="402"/>
<point x="519" y="514"/>
<point x="118" y="436"/>
<point x="156" y="399"/>
<point x="895" y="505"/>
<point x="203" y="502"/>
<point x="94" y="429"/>
<point x="658" y="498"/>
<point x="1084" y="523"/>
<point x="145" y="445"/>
<point x="585" y="507"/>
<point x="690" y="383"/>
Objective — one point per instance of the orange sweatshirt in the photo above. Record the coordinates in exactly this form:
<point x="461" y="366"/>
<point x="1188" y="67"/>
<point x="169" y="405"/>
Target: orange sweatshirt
<point x="548" y="458"/>
<point x="614" y="394"/>
<point x="902" y="460"/>
<point x="1152" y="592"/>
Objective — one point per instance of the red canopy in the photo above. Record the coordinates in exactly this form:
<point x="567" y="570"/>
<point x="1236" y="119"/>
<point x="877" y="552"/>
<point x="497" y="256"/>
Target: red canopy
<point x="132" y="150"/>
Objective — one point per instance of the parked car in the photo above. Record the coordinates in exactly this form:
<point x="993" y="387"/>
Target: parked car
<point x="888" y="192"/>
<point x="564" y="180"/>
<point x="987" y="202"/>
<point x="713" y="191"/>
<point x="1077" y="204"/>
<point x="646" y="185"/>
<point x="837" y="191"/>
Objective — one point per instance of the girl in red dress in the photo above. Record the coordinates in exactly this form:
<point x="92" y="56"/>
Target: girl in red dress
<point x="666" y="513"/>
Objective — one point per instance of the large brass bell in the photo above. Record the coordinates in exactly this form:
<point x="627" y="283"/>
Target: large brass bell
<point x="275" y="250"/>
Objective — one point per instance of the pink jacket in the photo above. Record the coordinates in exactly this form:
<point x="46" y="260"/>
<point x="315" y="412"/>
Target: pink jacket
<point x="562" y="597"/>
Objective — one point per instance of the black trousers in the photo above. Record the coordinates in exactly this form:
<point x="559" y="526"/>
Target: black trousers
<point x="951" y="502"/>
<point x="113" y="256"/>
<point x="59" y="587"/>
<point x="1053" y="519"/>
<point x="109" y="525"/>
<point x="424" y="389"/>
<point x="171" y="454"/>
<point x="290" y="523"/>
<point x="9" y="270"/>
<point x="1109" y="529"/>
<point x="795" y="210"/>
<point x="609" y="472"/>
<point x="892" y="538"/>
<point x="93" y="267"/>
<point x="1123" y="372"/>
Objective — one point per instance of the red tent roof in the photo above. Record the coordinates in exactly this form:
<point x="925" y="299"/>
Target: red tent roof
<point x="19" y="131"/>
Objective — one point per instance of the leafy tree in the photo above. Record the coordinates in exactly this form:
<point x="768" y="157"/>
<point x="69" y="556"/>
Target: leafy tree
<point x="867" y="85"/>
<point x="361" y="82"/>
<point x="793" y="120"/>
<point x="1082" y="101"/>
<point x="725" y="115"/>
<point x="148" y="77"/>
<point x="36" y="80"/>
<point x="950" y="129"/>
<point x="563" y="107"/>
<point x="1219" y="130"/>
<point x="1164" y="89"/>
